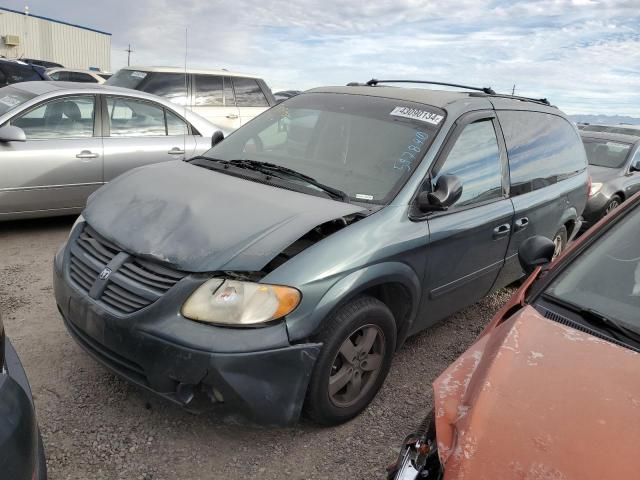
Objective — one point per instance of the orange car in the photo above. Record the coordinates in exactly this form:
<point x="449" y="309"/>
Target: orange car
<point x="550" y="389"/>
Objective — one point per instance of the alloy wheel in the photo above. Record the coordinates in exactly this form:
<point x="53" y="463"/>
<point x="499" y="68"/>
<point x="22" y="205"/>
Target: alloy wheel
<point x="612" y="205"/>
<point x="356" y="365"/>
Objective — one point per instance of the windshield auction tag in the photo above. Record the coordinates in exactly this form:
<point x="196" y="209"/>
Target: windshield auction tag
<point x="9" y="101"/>
<point x="138" y="74"/>
<point x="362" y="196"/>
<point x="417" y="114"/>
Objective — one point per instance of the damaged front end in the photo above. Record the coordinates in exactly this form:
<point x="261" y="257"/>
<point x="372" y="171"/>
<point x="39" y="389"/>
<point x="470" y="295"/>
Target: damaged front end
<point x="418" y="458"/>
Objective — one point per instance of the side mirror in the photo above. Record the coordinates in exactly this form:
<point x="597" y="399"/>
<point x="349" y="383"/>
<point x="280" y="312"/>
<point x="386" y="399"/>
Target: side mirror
<point x="448" y="191"/>
<point x="217" y="137"/>
<point x="9" y="133"/>
<point x="535" y="252"/>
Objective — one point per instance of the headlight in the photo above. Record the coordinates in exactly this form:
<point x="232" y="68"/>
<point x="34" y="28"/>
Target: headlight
<point x="231" y="302"/>
<point x="595" y="188"/>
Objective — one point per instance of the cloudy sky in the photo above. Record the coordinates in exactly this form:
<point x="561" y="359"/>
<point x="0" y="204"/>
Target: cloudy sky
<point x="584" y="55"/>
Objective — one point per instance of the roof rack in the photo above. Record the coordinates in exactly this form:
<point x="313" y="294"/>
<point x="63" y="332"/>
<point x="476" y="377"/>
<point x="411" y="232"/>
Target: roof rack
<point x="488" y="90"/>
<point x="542" y="101"/>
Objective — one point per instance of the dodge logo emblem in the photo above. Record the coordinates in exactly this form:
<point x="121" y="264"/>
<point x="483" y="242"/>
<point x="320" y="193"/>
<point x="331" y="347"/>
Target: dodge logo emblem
<point x="104" y="274"/>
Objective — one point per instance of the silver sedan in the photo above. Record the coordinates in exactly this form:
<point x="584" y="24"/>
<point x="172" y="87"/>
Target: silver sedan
<point x="61" y="141"/>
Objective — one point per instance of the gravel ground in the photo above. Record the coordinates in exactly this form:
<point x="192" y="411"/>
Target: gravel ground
<point x="97" y="426"/>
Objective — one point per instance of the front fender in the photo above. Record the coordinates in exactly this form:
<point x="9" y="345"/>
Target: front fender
<point x="348" y="287"/>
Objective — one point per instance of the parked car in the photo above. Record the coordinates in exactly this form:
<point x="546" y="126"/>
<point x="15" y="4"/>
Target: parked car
<point x="623" y="129"/>
<point x="60" y="141"/>
<point x="285" y="94"/>
<point x="551" y="374"/>
<point x="288" y="263"/>
<point x="22" y="455"/>
<point x="225" y="98"/>
<point x="614" y="165"/>
<point x="14" y="71"/>
<point x="77" y="75"/>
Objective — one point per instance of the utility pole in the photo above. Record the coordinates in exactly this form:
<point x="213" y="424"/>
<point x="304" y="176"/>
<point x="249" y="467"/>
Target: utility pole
<point x="513" y="90"/>
<point x="128" y="50"/>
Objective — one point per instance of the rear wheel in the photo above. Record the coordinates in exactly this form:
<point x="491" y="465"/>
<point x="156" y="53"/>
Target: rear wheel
<point x="613" y="204"/>
<point x="560" y="242"/>
<point x="359" y="341"/>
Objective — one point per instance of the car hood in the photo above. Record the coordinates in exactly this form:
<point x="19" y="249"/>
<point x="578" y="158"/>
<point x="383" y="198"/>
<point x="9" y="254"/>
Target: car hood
<point x="199" y="220"/>
<point x="536" y="399"/>
<point x="602" y="174"/>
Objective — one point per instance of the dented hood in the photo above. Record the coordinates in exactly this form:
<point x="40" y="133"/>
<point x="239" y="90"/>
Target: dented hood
<point x="199" y="220"/>
<point x="535" y="399"/>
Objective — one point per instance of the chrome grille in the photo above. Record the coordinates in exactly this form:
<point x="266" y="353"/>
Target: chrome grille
<point x="133" y="282"/>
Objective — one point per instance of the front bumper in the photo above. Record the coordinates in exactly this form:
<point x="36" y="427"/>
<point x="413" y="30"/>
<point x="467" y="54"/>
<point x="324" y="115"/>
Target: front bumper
<point x="19" y="439"/>
<point x="256" y="372"/>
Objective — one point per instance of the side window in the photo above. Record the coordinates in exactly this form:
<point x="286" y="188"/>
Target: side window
<point x="172" y="86"/>
<point x="208" y="90"/>
<point x="55" y="76"/>
<point x="248" y="93"/>
<point x="70" y="117"/>
<point x="175" y="125"/>
<point x="81" y="77"/>
<point x="134" y="118"/>
<point x="542" y="148"/>
<point x="475" y="160"/>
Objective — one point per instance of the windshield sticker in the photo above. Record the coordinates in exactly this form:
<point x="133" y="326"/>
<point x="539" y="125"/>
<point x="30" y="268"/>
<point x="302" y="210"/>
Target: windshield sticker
<point x="10" y="101"/>
<point x="138" y="74"/>
<point x="406" y="159"/>
<point x="417" y="114"/>
<point x="362" y="196"/>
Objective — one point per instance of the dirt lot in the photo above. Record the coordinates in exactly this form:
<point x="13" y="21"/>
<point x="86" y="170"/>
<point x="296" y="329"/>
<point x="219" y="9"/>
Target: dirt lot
<point x="97" y="426"/>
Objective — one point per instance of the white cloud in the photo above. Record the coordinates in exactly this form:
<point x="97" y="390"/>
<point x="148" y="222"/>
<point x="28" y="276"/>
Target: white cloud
<point x="584" y="55"/>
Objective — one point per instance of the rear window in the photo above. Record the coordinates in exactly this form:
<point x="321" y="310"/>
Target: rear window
<point x="249" y="93"/>
<point x="11" y="98"/>
<point x="605" y="153"/>
<point x="542" y="148"/>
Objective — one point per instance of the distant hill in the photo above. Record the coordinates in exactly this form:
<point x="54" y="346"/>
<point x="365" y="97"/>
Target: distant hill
<point x="607" y="119"/>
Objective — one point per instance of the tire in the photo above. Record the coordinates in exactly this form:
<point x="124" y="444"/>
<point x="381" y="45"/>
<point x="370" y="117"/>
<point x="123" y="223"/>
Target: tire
<point x="357" y="322"/>
<point x="613" y="204"/>
<point x="42" y="459"/>
<point x="560" y="241"/>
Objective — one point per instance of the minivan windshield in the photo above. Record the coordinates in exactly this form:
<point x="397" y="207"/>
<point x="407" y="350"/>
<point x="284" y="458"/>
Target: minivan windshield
<point x="364" y="146"/>
<point x="11" y="97"/>
<point x="606" y="277"/>
<point x="606" y="153"/>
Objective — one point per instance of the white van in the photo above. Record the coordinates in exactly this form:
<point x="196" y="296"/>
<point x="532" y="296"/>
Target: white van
<point x="225" y="98"/>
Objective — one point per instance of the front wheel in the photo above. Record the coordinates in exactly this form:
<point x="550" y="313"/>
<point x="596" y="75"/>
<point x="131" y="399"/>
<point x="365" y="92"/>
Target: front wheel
<point x="359" y="341"/>
<point x="613" y="204"/>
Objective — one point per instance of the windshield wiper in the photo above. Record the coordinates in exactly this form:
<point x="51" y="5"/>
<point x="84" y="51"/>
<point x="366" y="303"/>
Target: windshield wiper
<point x="271" y="168"/>
<point x="598" y="319"/>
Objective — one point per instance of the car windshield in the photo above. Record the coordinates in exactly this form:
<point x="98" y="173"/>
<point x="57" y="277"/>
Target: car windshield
<point x="606" y="277"/>
<point x="11" y="97"/>
<point x="127" y="78"/>
<point x="364" y="146"/>
<point x="606" y="153"/>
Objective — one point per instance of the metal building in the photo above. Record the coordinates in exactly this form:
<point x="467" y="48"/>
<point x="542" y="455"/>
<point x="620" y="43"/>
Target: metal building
<point x="23" y="35"/>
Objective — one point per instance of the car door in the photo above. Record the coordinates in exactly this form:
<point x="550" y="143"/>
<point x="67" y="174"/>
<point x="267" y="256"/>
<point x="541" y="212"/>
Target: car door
<point x="250" y="98"/>
<point x="60" y="163"/>
<point x="140" y="132"/>
<point x="213" y="99"/>
<point x="468" y="242"/>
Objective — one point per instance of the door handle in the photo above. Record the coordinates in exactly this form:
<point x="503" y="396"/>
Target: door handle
<point x="176" y="151"/>
<point x="501" y="230"/>
<point x="232" y="116"/>
<point x="87" y="154"/>
<point x="521" y="224"/>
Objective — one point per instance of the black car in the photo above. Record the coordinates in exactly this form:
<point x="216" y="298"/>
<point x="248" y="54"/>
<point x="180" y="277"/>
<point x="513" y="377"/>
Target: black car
<point x="42" y="63"/>
<point x="21" y="449"/>
<point x="614" y="165"/>
<point x="13" y="71"/>
<point x="286" y="94"/>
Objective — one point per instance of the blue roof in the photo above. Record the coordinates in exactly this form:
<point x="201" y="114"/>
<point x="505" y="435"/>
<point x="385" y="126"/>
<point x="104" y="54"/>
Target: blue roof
<point x="56" y="21"/>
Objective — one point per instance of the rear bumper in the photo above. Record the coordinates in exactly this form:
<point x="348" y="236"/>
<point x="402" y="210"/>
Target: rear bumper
<point x="19" y="439"/>
<point x="255" y="372"/>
